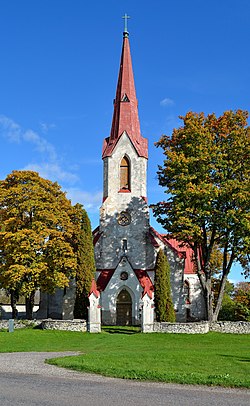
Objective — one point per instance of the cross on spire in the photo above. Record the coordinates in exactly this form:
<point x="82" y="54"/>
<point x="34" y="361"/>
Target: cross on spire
<point x="126" y="17"/>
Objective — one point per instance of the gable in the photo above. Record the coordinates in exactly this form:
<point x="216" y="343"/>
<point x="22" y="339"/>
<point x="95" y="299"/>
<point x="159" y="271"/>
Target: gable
<point x="125" y="276"/>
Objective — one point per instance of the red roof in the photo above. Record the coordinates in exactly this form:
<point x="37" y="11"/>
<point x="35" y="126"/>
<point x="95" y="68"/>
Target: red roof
<point x="104" y="278"/>
<point x="94" y="289"/>
<point x="125" y="116"/>
<point x="145" y="282"/>
<point x="153" y="233"/>
<point x="182" y="251"/>
<point x="189" y="265"/>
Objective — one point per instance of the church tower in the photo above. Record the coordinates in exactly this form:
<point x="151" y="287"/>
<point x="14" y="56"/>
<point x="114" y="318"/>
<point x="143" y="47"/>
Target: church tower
<point x="126" y="245"/>
<point x="122" y="248"/>
<point x="124" y="212"/>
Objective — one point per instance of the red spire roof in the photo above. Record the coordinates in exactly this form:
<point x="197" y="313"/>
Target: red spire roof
<point x="125" y="116"/>
<point x="94" y="289"/>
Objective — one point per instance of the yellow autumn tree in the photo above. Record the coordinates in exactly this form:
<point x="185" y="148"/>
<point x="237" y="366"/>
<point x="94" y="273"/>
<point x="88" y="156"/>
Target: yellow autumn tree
<point x="206" y="175"/>
<point x="35" y="236"/>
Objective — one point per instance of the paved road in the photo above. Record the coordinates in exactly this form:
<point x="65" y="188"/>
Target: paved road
<point x="26" y="380"/>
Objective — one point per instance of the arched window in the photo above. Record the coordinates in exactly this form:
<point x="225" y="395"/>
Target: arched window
<point x="125" y="174"/>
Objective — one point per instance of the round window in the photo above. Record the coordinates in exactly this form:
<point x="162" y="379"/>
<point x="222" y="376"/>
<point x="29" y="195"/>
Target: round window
<point x="124" y="276"/>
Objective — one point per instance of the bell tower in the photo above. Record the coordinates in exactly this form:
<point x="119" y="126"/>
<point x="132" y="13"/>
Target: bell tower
<point x="121" y="243"/>
<point x="126" y="245"/>
<point x="124" y="217"/>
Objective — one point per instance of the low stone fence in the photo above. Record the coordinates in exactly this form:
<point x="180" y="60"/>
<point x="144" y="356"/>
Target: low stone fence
<point x="67" y="325"/>
<point x="4" y="324"/>
<point x="48" y="324"/>
<point x="237" y="327"/>
<point x="234" y="327"/>
<point x="181" y="328"/>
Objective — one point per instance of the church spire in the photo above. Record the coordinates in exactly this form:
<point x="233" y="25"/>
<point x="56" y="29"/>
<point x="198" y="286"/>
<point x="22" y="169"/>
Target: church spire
<point x="125" y="116"/>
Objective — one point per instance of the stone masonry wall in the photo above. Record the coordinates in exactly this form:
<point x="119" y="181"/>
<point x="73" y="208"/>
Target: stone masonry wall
<point x="4" y="324"/>
<point x="67" y="325"/>
<point x="238" y="327"/>
<point x="180" y="328"/>
<point x="48" y="324"/>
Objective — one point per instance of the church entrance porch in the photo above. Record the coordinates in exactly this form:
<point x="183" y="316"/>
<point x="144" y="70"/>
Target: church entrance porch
<point x="124" y="309"/>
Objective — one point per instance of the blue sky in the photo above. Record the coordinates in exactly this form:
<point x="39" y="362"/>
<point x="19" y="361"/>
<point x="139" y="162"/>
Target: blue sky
<point x="58" y="74"/>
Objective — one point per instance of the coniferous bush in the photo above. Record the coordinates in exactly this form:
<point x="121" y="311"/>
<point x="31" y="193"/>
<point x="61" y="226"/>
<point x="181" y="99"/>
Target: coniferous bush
<point x="164" y="308"/>
<point x="85" y="262"/>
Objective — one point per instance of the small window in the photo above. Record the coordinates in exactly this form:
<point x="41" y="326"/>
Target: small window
<point x="124" y="276"/>
<point x="125" y="98"/>
<point x="124" y="174"/>
<point x="124" y="245"/>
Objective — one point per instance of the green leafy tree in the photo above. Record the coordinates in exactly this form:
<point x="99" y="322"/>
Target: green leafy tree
<point x="206" y="175"/>
<point x="242" y="293"/>
<point x="236" y="301"/>
<point x="242" y="301"/>
<point x="35" y="238"/>
<point x="227" y="309"/>
<point x="164" y="308"/>
<point x="85" y="272"/>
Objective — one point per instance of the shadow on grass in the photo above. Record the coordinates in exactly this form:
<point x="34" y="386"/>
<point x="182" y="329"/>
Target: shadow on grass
<point x="235" y="357"/>
<point x="121" y="330"/>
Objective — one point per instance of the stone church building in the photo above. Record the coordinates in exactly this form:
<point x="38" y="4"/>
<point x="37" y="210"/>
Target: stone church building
<point x="125" y="244"/>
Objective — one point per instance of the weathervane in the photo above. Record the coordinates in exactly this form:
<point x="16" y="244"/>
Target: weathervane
<point x="126" y="17"/>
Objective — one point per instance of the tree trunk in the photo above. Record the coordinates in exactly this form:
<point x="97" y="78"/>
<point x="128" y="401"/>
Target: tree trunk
<point x="208" y="301"/>
<point x="13" y="300"/>
<point x="220" y="296"/>
<point x="29" y="302"/>
<point x="204" y="276"/>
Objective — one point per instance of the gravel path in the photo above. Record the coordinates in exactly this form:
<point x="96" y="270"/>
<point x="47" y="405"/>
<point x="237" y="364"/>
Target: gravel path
<point x="33" y="363"/>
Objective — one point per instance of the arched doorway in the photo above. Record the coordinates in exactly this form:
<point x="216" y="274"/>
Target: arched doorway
<point x="124" y="309"/>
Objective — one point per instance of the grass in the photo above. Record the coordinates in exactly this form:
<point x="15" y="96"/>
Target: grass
<point x="210" y="359"/>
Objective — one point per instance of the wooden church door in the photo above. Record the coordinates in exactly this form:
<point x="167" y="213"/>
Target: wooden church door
<point x="124" y="309"/>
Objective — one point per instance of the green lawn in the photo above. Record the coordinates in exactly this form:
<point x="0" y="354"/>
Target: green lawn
<point x="210" y="359"/>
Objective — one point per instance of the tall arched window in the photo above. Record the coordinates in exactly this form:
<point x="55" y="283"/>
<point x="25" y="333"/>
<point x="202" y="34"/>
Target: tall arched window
<point x="125" y="174"/>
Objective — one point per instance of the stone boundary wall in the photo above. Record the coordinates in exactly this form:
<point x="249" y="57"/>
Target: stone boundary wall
<point x="234" y="327"/>
<point x="181" y="328"/>
<point x="237" y="327"/>
<point x="66" y="325"/>
<point x="4" y="324"/>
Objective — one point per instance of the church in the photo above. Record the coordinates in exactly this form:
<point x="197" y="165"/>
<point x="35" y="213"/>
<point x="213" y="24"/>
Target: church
<point x="125" y="244"/>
